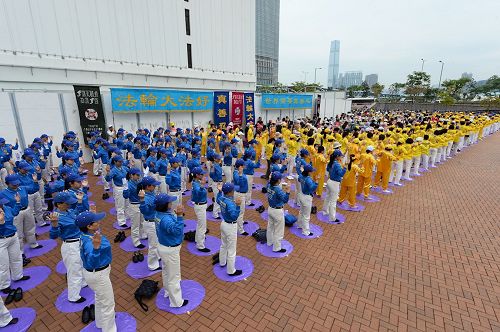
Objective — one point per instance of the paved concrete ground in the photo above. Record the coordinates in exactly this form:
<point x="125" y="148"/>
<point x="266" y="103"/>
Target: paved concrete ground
<point x="425" y="258"/>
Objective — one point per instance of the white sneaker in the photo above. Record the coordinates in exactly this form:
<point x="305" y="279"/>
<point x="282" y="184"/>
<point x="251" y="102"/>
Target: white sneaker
<point x="289" y="177"/>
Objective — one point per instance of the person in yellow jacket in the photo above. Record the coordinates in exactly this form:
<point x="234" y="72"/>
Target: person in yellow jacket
<point x="408" y="158"/>
<point x="400" y="151"/>
<point x="204" y="135"/>
<point x="384" y="165"/>
<point x="269" y="153"/>
<point x="425" y="147"/>
<point x="417" y="155"/>
<point x="321" y="160"/>
<point x="367" y="161"/>
<point x="348" y="184"/>
<point x="250" y="132"/>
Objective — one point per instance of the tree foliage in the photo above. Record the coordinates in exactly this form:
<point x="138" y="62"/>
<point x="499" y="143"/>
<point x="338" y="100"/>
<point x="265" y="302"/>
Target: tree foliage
<point x="377" y="89"/>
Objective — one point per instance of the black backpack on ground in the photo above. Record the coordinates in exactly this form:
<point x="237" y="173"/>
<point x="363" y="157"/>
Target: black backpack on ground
<point x="260" y="235"/>
<point x="147" y="289"/>
<point x="190" y="236"/>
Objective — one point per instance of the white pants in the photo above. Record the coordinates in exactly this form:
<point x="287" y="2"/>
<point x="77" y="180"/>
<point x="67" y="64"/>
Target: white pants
<point x="5" y="316"/>
<point x="433" y="154"/>
<point x="228" y="172"/>
<point x="100" y="283"/>
<point x="227" y="253"/>
<point x="184" y="177"/>
<point x="416" y="164"/>
<point x="35" y="204"/>
<point x="11" y="261"/>
<point x="242" y="197"/>
<point x="330" y="205"/>
<point x="275" y="227"/>
<point x="208" y="163"/>
<point x="70" y="253"/>
<point x="153" y="255"/>
<point x="41" y="191"/>
<point x="163" y="184"/>
<point x="138" y="164"/>
<point x="171" y="274"/>
<point x="248" y="197"/>
<point x="408" y="163"/>
<point x="425" y="161"/>
<point x="215" y="191"/>
<point x="25" y="225"/>
<point x="119" y="204"/>
<point x="137" y="229"/>
<point x="201" y="226"/>
<point x="178" y="201"/>
<point x="305" y="213"/>
<point x="291" y="165"/>
<point x="438" y="154"/>
<point x="103" y="177"/>
<point x="398" y="171"/>
<point x="97" y="166"/>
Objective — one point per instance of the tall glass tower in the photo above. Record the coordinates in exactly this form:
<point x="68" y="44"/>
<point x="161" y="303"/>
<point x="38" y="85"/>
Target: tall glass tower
<point x="333" y="65"/>
<point x="267" y="37"/>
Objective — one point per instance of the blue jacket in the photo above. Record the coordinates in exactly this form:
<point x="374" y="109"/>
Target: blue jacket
<point x="151" y="163"/>
<point x="132" y="193"/>
<point x="173" y="179"/>
<point x="66" y="228"/>
<point x="8" y="227"/>
<point x="276" y="196"/>
<point x="229" y="210"/>
<point x="161" y="166"/>
<point x="117" y="175"/>
<point x="198" y="193"/>
<point x="148" y="206"/>
<point x="307" y="184"/>
<point x="336" y="173"/>
<point x="94" y="258"/>
<point x="84" y="206"/>
<point x="28" y="183"/>
<point x="11" y="196"/>
<point x="216" y="172"/>
<point x="250" y="166"/>
<point x="169" y="229"/>
<point x="240" y="181"/>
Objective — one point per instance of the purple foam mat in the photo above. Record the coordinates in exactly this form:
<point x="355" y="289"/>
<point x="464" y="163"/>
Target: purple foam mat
<point x="258" y="186"/>
<point x="371" y="198"/>
<point x="258" y="174"/>
<point x="127" y="222"/>
<point x="140" y="270"/>
<point x="210" y="217"/>
<point x="63" y="305"/>
<point x="128" y="246"/>
<point x="256" y="202"/>
<point x="398" y="184"/>
<point x="347" y="207"/>
<point x="211" y="242"/>
<point x="381" y="191"/>
<point x="405" y="179"/>
<point x="110" y="200"/>
<point x="191" y="204"/>
<point x="315" y="229"/>
<point x="267" y="251"/>
<point x="48" y="245"/>
<point x="99" y="183"/>
<point x="90" y="194"/>
<point x="37" y="274"/>
<point x="61" y="268"/>
<point x="26" y="317"/>
<point x="112" y="211"/>
<point x="423" y="170"/>
<point x="250" y="228"/>
<point x="42" y="230"/>
<point x="186" y="193"/>
<point x="324" y="217"/>
<point x="124" y="323"/>
<point x="242" y="263"/>
<point x="192" y="291"/>
<point x="264" y="215"/>
<point x="189" y="225"/>
<point x="293" y="204"/>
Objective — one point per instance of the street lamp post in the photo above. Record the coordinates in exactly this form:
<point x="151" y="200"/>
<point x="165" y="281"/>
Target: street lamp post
<point x="315" y="69"/>
<point x="423" y="61"/>
<point x="441" y="75"/>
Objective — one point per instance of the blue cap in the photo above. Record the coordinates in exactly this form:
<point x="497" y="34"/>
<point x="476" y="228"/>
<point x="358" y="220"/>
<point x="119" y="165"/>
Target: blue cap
<point x="134" y="170"/>
<point x="229" y="187"/>
<point x="65" y="197"/>
<point x="175" y="160"/>
<point x="197" y="171"/>
<point x="239" y="163"/>
<point x="23" y="164"/>
<point x="275" y="157"/>
<point x="129" y="135"/>
<point x="252" y="141"/>
<point x="67" y="156"/>
<point x="217" y="156"/>
<point x="75" y="178"/>
<point x="150" y="181"/>
<point x="276" y="176"/>
<point x="234" y="140"/>
<point x="44" y="136"/>
<point x="163" y="151"/>
<point x="168" y="139"/>
<point x="308" y="168"/>
<point x="162" y="199"/>
<point x="337" y="153"/>
<point x="29" y="152"/>
<point x="279" y="141"/>
<point x="117" y="159"/>
<point x="87" y="218"/>
<point x="13" y="179"/>
<point x="304" y="152"/>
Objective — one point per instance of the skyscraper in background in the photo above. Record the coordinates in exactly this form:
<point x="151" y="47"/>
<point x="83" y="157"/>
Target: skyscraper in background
<point x="333" y="65"/>
<point x="371" y="79"/>
<point x="267" y="37"/>
<point x="350" y="78"/>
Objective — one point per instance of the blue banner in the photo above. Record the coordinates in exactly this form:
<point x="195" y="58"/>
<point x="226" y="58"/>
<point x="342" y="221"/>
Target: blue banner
<point x="221" y="107"/>
<point x="286" y="101"/>
<point x="154" y="100"/>
<point x="249" y="107"/>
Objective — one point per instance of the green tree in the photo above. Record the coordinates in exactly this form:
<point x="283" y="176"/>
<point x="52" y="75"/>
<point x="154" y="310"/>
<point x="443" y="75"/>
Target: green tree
<point x="365" y="88"/>
<point x="455" y="87"/>
<point x="417" y="84"/>
<point x="446" y="98"/>
<point x="395" y="90"/>
<point x="491" y="88"/>
<point x="377" y="89"/>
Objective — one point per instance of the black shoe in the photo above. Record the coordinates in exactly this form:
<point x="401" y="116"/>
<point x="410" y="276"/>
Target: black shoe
<point x="310" y="234"/>
<point x="6" y="290"/>
<point x="216" y="256"/>
<point x="118" y="237"/>
<point x="215" y="261"/>
<point x="105" y="196"/>
<point x="236" y="273"/>
<point x="244" y="234"/>
<point x="206" y="232"/>
<point x="251" y="204"/>
<point x="134" y="257"/>
<point x="140" y="246"/>
<point x="123" y="237"/>
<point x="157" y="269"/>
<point x="92" y="311"/>
<point x="260" y="209"/>
<point x="10" y="298"/>
<point x="37" y="247"/>
<point x="263" y="177"/>
<point x="218" y="218"/>
<point x="204" y="250"/>
<point x="336" y="220"/>
<point x="140" y="257"/>
<point x="24" y="278"/>
<point x="245" y="223"/>
<point x="282" y="250"/>
<point x="209" y="189"/>
<point x="210" y="208"/>
<point x="13" y="321"/>
<point x="26" y="261"/>
<point x="185" y="303"/>
<point x="80" y="300"/>
<point x="18" y="294"/>
<point x="124" y="226"/>
<point x="86" y="315"/>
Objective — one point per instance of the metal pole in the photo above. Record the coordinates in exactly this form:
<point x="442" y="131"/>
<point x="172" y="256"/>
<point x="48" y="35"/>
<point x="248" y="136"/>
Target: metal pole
<point x="441" y="75"/>
<point x="62" y="108"/>
<point x="17" y="120"/>
<point x="315" y="69"/>
<point x="423" y="61"/>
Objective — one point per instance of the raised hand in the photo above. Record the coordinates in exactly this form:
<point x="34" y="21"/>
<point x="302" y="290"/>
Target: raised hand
<point x="141" y="194"/>
<point x="179" y="210"/>
<point x="85" y="183"/>
<point x="18" y="198"/>
<point x="54" y="219"/>
<point x="79" y="197"/>
<point x="96" y="240"/>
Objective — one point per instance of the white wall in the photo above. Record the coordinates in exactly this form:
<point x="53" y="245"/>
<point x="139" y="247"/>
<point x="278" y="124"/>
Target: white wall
<point x="7" y="124"/>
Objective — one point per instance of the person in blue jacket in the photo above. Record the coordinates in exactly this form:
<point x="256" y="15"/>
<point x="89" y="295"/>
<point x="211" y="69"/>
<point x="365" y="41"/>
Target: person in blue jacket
<point x="95" y="252"/>
<point x="117" y="177"/>
<point x="230" y="210"/>
<point x="199" y="199"/>
<point x="133" y="211"/>
<point x="174" y="181"/>
<point x="11" y="261"/>
<point x="308" y="187"/>
<point x="216" y="177"/>
<point x="170" y="232"/>
<point x="29" y="180"/>
<point x="148" y="209"/>
<point x="277" y="199"/>
<point x="241" y="182"/>
<point x="249" y="171"/>
<point x="161" y="169"/>
<point x="336" y="172"/>
<point x="77" y="187"/>
<point x="63" y="226"/>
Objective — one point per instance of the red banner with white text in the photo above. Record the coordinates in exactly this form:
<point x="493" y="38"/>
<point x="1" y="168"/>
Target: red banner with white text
<point x="237" y="108"/>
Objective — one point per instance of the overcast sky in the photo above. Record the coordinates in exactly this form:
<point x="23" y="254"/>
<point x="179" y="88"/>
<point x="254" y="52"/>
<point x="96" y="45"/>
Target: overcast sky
<point x="389" y="37"/>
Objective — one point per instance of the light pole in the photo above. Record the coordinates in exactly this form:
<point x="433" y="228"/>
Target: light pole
<point x="315" y="69"/>
<point x="305" y="76"/>
<point x="423" y="61"/>
<point x="441" y="75"/>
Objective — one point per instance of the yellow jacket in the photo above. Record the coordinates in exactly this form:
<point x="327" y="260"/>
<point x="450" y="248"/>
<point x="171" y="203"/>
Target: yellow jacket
<point x="349" y="178"/>
<point x="385" y="161"/>
<point x="293" y="147"/>
<point x="367" y="161"/>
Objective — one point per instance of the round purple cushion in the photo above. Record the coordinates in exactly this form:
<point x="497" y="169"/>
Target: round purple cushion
<point x="61" y="268"/>
<point x="210" y="217"/>
<point x="258" y="174"/>
<point x="324" y="217"/>
<point x="381" y="191"/>
<point x="267" y="251"/>
<point x="256" y="202"/>
<point x="371" y="198"/>
<point x="42" y="230"/>
<point x="140" y="270"/>
<point x="37" y="274"/>
<point x="293" y="204"/>
<point x="90" y="194"/>
<point x="128" y="246"/>
<point x="189" y="225"/>
<point x="48" y="245"/>
<point x="26" y="317"/>
<point x="356" y="208"/>
<point x="192" y="291"/>
<point x="242" y="263"/>
<point x="211" y="242"/>
<point x="250" y="228"/>
<point x="127" y="222"/>
<point x="63" y="305"/>
<point x="124" y="323"/>
<point x="315" y="229"/>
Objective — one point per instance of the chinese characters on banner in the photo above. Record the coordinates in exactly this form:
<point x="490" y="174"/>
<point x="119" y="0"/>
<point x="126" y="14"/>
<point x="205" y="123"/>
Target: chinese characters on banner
<point x="286" y="101"/>
<point x="154" y="100"/>
<point x="249" y="108"/>
<point x="88" y="99"/>
<point x="221" y="107"/>
<point x="237" y="108"/>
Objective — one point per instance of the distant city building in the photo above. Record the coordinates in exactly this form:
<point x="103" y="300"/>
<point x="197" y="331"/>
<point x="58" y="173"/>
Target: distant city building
<point x="371" y="79"/>
<point x="467" y="75"/>
<point x="333" y="65"/>
<point x="350" y="78"/>
<point x="267" y="33"/>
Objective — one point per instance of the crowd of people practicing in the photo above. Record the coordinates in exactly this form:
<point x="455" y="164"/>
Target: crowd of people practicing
<point x="147" y="173"/>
